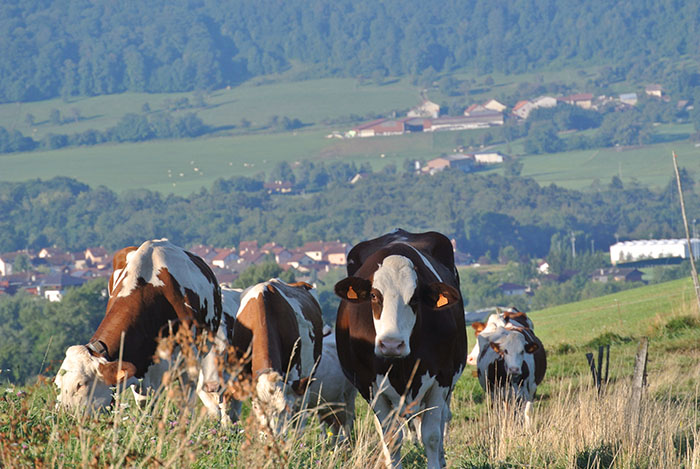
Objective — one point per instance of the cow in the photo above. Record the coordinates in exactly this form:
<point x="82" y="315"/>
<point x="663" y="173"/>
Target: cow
<point x="331" y="393"/>
<point x="213" y="378"/>
<point x="511" y="364"/>
<point x="508" y="318"/>
<point x="154" y="288"/>
<point x="279" y="327"/>
<point x="401" y="335"/>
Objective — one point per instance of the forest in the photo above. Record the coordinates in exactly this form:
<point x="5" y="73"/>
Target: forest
<point x="81" y="48"/>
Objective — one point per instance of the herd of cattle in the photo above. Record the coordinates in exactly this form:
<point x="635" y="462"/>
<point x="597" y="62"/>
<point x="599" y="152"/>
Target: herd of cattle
<point x="400" y="340"/>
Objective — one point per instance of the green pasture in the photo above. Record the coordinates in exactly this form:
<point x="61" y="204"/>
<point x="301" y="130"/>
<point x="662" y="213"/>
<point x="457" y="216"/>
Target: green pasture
<point x="310" y="101"/>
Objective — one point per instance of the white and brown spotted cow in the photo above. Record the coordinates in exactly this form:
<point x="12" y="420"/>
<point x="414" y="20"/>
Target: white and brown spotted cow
<point x="401" y="335"/>
<point x="151" y="286"/>
<point x="511" y="363"/>
<point x="281" y="326"/>
<point x="509" y="318"/>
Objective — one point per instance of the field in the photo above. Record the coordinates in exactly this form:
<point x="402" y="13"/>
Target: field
<point x="573" y="427"/>
<point x="169" y="165"/>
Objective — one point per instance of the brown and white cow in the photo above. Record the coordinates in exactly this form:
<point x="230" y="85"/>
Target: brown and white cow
<point x="281" y="326"/>
<point x="511" y="363"/>
<point x="151" y="286"/>
<point x="509" y="318"/>
<point x="401" y="335"/>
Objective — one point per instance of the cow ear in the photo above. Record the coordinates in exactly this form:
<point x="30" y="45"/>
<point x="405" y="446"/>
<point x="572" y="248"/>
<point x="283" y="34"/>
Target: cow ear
<point x="112" y="374"/>
<point x="442" y="295"/>
<point x="478" y="327"/>
<point x="531" y="347"/>
<point x="353" y="289"/>
<point x="305" y="285"/>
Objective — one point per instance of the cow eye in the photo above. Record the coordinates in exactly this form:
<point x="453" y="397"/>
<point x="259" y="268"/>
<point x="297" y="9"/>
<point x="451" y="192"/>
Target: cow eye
<point x="373" y="297"/>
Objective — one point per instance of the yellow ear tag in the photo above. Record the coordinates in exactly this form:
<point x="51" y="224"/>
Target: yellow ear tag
<point x="442" y="301"/>
<point x="121" y="374"/>
<point x="351" y="294"/>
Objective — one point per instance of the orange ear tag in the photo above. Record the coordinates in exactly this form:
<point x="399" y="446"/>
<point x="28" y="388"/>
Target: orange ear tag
<point x="121" y="374"/>
<point x="351" y="294"/>
<point x="442" y="301"/>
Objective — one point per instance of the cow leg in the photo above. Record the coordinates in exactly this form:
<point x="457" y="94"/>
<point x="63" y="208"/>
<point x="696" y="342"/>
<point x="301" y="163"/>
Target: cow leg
<point x="432" y="426"/>
<point x="392" y="437"/>
<point x="526" y="413"/>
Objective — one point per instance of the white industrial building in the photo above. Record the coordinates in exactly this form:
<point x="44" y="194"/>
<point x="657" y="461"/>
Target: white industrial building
<point x="631" y="251"/>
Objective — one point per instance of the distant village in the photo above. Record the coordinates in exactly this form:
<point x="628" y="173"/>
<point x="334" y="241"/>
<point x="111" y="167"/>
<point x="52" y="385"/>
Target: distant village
<point x="427" y="118"/>
<point x="49" y="272"/>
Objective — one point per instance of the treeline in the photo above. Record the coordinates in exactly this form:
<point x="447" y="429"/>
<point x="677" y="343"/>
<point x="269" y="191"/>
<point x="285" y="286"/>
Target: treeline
<point x="485" y="214"/>
<point x="130" y="128"/>
<point x="77" y="47"/>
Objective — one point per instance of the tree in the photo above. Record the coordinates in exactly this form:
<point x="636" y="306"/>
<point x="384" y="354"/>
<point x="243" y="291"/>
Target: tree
<point x="262" y="272"/>
<point x="132" y="128"/>
<point x="55" y="117"/>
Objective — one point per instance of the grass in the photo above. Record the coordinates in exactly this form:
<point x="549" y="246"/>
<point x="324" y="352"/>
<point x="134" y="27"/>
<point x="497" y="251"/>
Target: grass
<point x="573" y="426"/>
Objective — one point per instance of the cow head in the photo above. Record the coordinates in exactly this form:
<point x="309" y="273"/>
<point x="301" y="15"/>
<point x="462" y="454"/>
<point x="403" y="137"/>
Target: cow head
<point x="84" y="380"/>
<point x="512" y="346"/>
<point x="396" y="298"/>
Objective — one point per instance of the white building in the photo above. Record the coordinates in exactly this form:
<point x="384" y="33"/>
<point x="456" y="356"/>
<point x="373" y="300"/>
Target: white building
<point x="630" y="251"/>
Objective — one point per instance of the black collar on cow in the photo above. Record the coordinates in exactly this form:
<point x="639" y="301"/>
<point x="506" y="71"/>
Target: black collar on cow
<point x="99" y="348"/>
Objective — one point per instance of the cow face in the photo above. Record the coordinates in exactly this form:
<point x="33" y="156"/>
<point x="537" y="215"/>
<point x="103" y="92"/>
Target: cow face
<point x="84" y="380"/>
<point x="512" y="347"/>
<point x="396" y="298"/>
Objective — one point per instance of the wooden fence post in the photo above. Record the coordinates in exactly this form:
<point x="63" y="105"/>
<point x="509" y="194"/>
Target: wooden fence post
<point x="639" y="381"/>
<point x="597" y="372"/>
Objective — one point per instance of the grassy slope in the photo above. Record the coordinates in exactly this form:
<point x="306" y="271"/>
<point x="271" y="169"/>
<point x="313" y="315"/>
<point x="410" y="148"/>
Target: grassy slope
<point x="573" y="426"/>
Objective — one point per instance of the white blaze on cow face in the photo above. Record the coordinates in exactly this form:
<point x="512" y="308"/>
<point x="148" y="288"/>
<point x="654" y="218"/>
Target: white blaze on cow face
<point x="396" y="281"/>
<point x="510" y="345"/>
<point x="79" y="383"/>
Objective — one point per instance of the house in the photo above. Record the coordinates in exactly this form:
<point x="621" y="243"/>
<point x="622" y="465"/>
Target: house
<point x="300" y="261"/>
<point x="522" y="109"/>
<point x="475" y="109"/>
<point x="426" y="109"/>
<point x="617" y="274"/>
<point x="335" y="252"/>
<point x="582" y="100"/>
<point x="53" y="286"/>
<point x="245" y="247"/>
<point x="379" y="127"/>
<point x="7" y="261"/>
<point x="654" y="90"/>
<point x="494" y="105"/>
<point x="544" y="101"/>
<point x="416" y="124"/>
<point x="282" y="257"/>
<point x="96" y="257"/>
<point x="225" y="259"/>
<point x="493" y="157"/>
<point x="460" y="161"/>
<point x="279" y="187"/>
<point x="513" y="289"/>
<point x="629" y="98"/>
<point x="314" y="250"/>
<point x="480" y="121"/>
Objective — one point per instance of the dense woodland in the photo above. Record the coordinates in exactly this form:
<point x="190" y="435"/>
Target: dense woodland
<point x="78" y="47"/>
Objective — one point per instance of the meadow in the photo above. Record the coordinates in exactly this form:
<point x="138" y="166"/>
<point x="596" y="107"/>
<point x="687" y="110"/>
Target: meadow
<point x="573" y="426"/>
<point x="184" y="166"/>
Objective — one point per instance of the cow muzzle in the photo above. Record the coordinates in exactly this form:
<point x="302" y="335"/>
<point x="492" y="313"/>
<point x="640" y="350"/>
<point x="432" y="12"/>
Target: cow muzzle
<point x="391" y="348"/>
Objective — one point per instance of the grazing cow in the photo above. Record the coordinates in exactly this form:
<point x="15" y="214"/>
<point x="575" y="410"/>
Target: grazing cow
<point x="152" y="286"/>
<point x="331" y="392"/>
<point x="401" y="334"/>
<point x="212" y="376"/>
<point x="281" y="326"/>
<point x="511" y="363"/>
<point x="509" y="319"/>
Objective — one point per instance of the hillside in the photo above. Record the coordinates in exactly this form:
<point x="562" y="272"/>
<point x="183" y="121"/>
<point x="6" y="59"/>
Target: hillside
<point x="79" y="48"/>
<point x="573" y="425"/>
